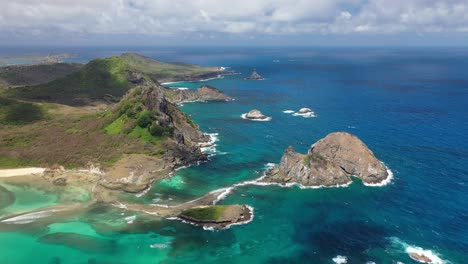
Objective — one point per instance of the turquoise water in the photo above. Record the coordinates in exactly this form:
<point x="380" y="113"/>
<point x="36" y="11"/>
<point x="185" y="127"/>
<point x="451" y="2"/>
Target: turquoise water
<point x="408" y="105"/>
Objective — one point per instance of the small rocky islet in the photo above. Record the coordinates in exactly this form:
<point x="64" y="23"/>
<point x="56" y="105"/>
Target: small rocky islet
<point x="254" y="76"/>
<point x="218" y="216"/>
<point x="256" y="115"/>
<point x="329" y="162"/>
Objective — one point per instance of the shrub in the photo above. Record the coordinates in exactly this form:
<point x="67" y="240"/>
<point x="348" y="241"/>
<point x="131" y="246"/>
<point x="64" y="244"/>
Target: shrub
<point x="145" y="119"/>
<point x="156" y="130"/>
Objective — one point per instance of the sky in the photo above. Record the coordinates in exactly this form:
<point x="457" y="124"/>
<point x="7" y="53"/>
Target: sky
<point x="234" y="22"/>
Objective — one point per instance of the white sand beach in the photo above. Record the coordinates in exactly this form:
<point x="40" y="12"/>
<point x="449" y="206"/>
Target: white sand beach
<point x="20" y="172"/>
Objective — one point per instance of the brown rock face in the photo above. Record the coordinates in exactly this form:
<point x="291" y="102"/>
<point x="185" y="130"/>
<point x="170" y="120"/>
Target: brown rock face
<point x="352" y="155"/>
<point x="204" y="93"/>
<point x="255" y="114"/>
<point x="307" y="170"/>
<point x="207" y="92"/>
<point x="330" y="161"/>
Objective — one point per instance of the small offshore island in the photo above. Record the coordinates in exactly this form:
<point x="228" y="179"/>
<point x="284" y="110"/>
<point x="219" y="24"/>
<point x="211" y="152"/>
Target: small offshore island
<point x="255" y="76"/>
<point x="255" y="115"/>
<point x="330" y="162"/>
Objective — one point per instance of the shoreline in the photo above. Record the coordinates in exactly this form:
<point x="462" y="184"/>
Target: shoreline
<point x="27" y="171"/>
<point x="220" y="75"/>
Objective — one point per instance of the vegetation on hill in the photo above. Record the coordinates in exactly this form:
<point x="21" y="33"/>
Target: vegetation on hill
<point x="165" y="71"/>
<point x="206" y="213"/>
<point x="20" y="75"/>
<point x="13" y="112"/>
<point x="93" y="81"/>
<point x="108" y="79"/>
<point x="73" y="132"/>
<point x="131" y="117"/>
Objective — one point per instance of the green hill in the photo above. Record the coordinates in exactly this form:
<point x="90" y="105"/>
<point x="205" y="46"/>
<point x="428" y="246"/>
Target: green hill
<point x="109" y="79"/>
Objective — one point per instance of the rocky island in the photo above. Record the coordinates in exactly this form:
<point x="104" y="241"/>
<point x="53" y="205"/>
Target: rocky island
<point x="204" y="93"/>
<point x="218" y="216"/>
<point x="255" y="77"/>
<point x="255" y="115"/>
<point x="331" y="161"/>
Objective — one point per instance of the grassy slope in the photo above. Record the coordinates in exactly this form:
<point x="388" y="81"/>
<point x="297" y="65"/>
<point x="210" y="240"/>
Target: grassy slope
<point x="101" y="77"/>
<point x="130" y="117"/>
<point x="69" y="140"/>
<point x="35" y="74"/>
<point x="206" y="213"/>
<point x="92" y="82"/>
<point x="162" y="71"/>
<point x="13" y="112"/>
<point x="30" y="134"/>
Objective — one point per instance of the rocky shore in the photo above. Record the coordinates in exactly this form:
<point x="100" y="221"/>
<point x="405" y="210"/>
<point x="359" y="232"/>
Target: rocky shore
<point x="331" y="161"/>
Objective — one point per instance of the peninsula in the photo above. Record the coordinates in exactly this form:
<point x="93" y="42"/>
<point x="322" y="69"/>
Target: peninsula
<point x="106" y="127"/>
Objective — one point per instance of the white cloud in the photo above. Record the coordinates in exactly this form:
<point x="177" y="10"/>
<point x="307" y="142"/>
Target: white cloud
<point x="212" y="17"/>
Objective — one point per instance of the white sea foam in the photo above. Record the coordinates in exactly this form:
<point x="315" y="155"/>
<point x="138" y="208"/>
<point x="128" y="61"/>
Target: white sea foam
<point x="384" y="182"/>
<point x="130" y="219"/>
<point x="340" y="259"/>
<point x="203" y="80"/>
<point x="306" y="115"/>
<point x="159" y="246"/>
<point x="260" y="120"/>
<point x="411" y="249"/>
<point x="29" y="217"/>
<point x="258" y="182"/>
<point x="210" y="146"/>
<point x="145" y="191"/>
<point x="224" y="193"/>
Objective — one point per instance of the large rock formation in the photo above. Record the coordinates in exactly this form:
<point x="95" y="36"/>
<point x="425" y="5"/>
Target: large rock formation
<point x="204" y="93"/>
<point x="330" y="161"/>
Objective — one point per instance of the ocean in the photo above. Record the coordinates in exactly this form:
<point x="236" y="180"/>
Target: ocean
<point x="409" y="105"/>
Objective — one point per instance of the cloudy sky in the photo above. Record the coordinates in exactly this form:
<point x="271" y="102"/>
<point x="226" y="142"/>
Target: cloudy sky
<point x="306" y="22"/>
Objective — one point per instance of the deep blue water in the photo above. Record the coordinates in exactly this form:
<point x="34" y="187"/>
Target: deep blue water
<point x="410" y="106"/>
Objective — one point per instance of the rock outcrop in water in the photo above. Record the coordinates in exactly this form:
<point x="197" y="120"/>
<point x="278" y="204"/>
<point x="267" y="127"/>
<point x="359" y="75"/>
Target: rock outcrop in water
<point x="255" y="76"/>
<point x="204" y="93"/>
<point x="330" y="161"/>
<point x="218" y="216"/>
<point x="256" y="115"/>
